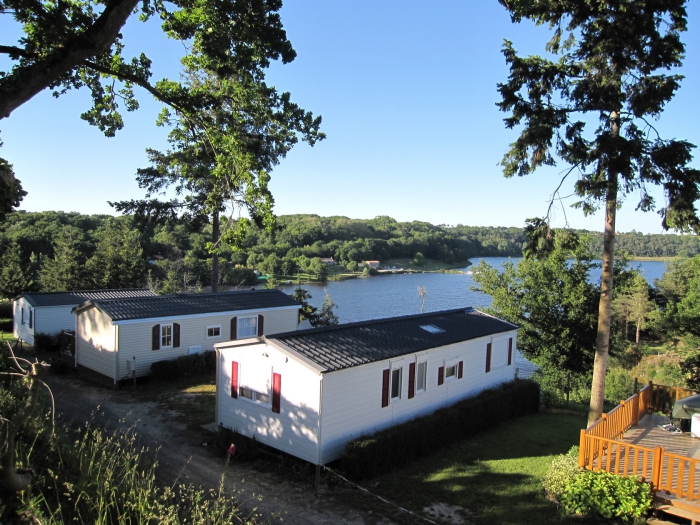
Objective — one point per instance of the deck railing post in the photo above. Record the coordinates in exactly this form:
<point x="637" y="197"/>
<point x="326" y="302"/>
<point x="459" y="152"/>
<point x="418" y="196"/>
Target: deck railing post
<point x="635" y="408"/>
<point x="656" y="468"/>
<point x="582" y="449"/>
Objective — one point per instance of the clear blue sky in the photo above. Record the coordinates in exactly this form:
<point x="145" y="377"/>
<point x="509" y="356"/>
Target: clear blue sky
<point x="407" y="92"/>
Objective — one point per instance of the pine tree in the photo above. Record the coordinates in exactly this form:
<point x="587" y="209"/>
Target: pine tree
<point x="611" y="66"/>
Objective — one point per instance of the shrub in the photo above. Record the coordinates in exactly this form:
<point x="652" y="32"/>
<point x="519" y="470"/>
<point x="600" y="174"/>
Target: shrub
<point x="562" y="470"/>
<point x="184" y="366"/>
<point x="6" y="325"/>
<point x="368" y="456"/>
<point x="47" y="342"/>
<point x="6" y="309"/>
<point x="608" y="495"/>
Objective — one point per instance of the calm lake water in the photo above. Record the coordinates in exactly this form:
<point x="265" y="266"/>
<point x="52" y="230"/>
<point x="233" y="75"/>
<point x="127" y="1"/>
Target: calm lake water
<point x="382" y="296"/>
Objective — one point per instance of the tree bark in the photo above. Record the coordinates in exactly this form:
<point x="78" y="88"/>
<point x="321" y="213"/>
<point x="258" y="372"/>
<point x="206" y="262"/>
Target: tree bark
<point x="215" y="234"/>
<point x="600" y="362"/>
<point x="25" y="82"/>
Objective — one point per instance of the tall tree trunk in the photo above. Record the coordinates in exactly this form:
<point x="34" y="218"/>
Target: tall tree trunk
<point x="215" y="233"/>
<point x="602" y="346"/>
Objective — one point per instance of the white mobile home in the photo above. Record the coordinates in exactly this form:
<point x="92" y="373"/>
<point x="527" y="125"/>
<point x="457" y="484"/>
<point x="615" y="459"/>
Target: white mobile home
<point x="118" y="338"/>
<point x="309" y="392"/>
<point x="51" y="312"/>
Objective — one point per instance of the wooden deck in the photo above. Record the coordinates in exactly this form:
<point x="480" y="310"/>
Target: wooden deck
<point x="648" y="434"/>
<point x="677" y="447"/>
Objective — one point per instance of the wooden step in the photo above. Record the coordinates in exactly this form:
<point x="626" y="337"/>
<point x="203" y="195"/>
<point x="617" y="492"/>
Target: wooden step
<point x="657" y="521"/>
<point x="673" y="510"/>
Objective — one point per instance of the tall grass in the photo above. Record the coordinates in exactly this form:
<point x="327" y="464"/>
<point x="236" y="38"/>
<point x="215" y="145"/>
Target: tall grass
<point x="110" y="479"/>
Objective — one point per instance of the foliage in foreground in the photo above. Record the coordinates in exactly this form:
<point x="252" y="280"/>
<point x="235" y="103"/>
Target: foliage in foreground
<point x="608" y="495"/>
<point x="89" y="476"/>
<point x="109" y="478"/>
<point x="562" y="470"/>
<point x="369" y="456"/>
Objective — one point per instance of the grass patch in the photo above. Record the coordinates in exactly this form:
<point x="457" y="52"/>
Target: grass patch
<point x="192" y="398"/>
<point x="495" y="476"/>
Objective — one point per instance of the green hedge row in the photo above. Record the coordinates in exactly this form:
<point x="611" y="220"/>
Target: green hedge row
<point x="6" y="310"/>
<point x="184" y="366"/>
<point x="6" y="325"/>
<point x="369" y="456"/>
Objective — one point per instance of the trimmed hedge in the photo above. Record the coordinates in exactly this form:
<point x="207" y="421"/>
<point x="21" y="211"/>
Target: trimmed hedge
<point x="6" y="325"/>
<point x="47" y="342"/>
<point x="184" y="366"/>
<point x="6" y="310"/>
<point x="378" y="453"/>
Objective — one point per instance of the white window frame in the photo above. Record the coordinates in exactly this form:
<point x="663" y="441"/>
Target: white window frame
<point x="396" y="367"/>
<point x="163" y="335"/>
<point x="218" y="335"/>
<point x="451" y="364"/>
<point x="239" y="326"/>
<point x="421" y="361"/>
<point x="255" y="397"/>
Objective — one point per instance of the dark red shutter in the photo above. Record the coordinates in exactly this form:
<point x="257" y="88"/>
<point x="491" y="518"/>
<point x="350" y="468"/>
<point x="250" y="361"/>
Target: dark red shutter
<point x="176" y="335"/>
<point x="385" y="388"/>
<point x="488" y="357"/>
<point x="441" y="375"/>
<point x="234" y="380"/>
<point x="461" y="370"/>
<point x="261" y="325"/>
<point x="234" y="329"/>
<point x="155" y="337"/>
<point x="411" y="380"/>
<point x="510" y="351"/>
<point x="276" y="392"/>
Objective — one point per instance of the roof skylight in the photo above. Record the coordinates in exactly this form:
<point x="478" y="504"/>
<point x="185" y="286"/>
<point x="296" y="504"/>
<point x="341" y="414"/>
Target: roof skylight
<point x="431" y="328"/>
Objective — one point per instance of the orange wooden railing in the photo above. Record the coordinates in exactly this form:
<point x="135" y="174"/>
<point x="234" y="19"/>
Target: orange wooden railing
<point x="599" y="448"/>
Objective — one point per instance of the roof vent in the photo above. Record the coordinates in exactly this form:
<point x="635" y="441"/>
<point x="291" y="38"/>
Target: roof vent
<point x="431" y="328"/>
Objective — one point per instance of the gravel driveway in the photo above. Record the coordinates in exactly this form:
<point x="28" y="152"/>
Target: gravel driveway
<point x="183" y="457"/>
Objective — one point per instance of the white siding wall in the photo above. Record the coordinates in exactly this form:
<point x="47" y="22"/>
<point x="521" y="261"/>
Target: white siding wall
<point x="135" y="339"/>
<point x="294" y="429"/>
<point x="352" y="398"/>
<point x="19" y="329"/>
<point x="94" y="341"/>
<point x="50" y="320"/>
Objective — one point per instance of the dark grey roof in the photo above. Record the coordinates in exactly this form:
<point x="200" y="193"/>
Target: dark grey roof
<point x="347" y="345"/>
<point x="189" y="304"/>
<point x="77" y="297"/>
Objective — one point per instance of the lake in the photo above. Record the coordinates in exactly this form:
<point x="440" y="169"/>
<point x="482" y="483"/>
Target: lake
<point x="397" y="294"/>
<point x="381" y="296"/>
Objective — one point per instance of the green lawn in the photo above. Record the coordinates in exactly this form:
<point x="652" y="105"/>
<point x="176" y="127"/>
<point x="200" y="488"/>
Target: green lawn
<point x="495" y="477"/>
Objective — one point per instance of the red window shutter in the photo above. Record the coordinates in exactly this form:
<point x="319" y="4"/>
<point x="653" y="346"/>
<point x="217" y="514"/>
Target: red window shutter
<point x="488" y="357"/>
<point x="411" y="380"/>
<point x="261" y="325"/>
<point x="176" y="335"/>
<point x="385" y="388"/>
<point x="276" y="392"/>
<point x="234" y="329"/>
<point x="441" y="375"/>
<point x="461" y="370"/>
<point x="510" y="351"/>
<point x="234" y="380"/>
<point x="155" y="337"/>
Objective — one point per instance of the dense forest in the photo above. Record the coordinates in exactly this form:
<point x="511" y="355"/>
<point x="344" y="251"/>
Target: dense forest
<point x="58" y="251"/>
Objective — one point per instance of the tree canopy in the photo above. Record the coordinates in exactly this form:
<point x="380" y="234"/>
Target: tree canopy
<point x="77" y="45"/>
<point x="612" y="65"/>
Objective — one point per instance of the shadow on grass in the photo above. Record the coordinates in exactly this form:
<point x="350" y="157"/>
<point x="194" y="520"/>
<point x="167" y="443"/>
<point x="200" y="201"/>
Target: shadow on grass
<point x="495" y="476"/>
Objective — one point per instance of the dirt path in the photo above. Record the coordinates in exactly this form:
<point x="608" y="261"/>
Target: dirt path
<point x="184" y="457"/>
